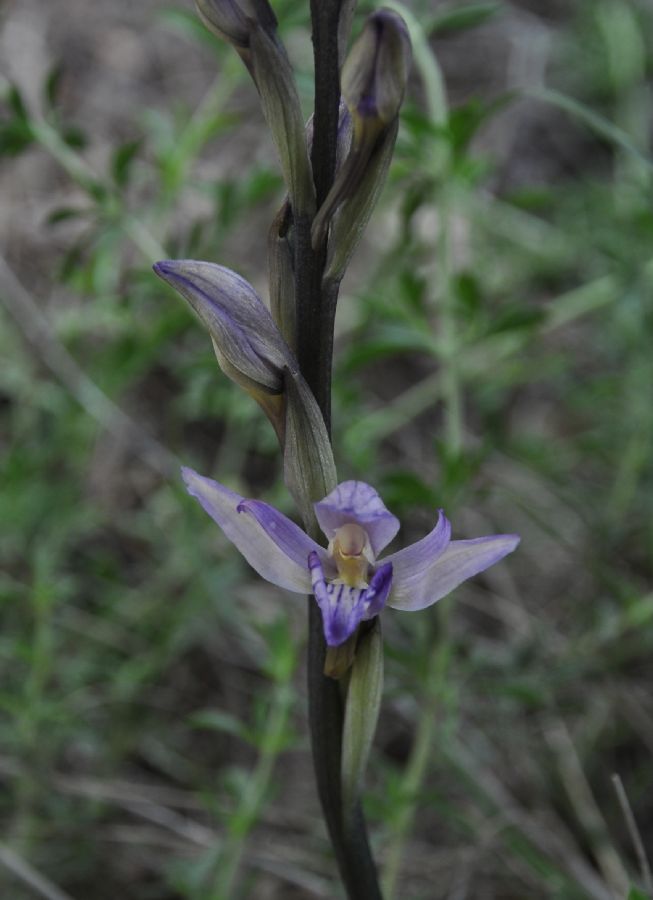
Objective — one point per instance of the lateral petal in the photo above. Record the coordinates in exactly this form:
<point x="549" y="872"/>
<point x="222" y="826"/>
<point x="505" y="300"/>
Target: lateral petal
<point x="460" y="561"/>
<point x="273" y="545"/>
<point x="410" y="564"/>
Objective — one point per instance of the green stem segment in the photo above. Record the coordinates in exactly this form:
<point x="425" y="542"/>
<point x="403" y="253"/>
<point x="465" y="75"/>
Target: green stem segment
<point x="316" y="304"/>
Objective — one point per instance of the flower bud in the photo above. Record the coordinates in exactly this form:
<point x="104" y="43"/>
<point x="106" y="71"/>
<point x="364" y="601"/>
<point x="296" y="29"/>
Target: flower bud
<point x="251" y="27"/>
<point x="233" y="20"/>
<point x="247" y="343"/>
<point x="373" y="83"/>
<point x="275" y="82"/>
<point x="252" y="352"/>
<point x="347" y="9"/>
<point x="374" y="75"/>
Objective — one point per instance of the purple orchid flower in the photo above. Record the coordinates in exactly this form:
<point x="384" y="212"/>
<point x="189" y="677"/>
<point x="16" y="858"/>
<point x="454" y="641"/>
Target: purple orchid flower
<point x="348" y="580"/>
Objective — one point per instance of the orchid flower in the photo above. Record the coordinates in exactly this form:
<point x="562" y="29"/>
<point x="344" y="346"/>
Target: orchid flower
<point x="350" y="583"/>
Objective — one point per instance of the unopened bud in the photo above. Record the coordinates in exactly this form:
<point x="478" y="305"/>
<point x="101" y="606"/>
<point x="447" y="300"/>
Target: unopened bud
<point x="252" y="352"/>
<point x="249" y="347"/>
<point x="274" y="79"/>
<point x="373" y="84"/>
<point x="375" y="72"/>
<point x="251" y="27"/>
<point x="233" y="20"/>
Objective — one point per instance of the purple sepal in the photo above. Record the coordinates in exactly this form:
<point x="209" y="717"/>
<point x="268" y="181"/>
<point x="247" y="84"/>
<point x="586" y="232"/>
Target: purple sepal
<point x="357" y="502"/>
<point x="294" y="543"/>
<point x="460" y="561"/>
<point x="410" y="564"/>
<point x="276" y="549"/>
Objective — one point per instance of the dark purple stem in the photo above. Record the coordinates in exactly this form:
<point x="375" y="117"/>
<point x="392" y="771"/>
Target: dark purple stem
<point x="316" y="306"/>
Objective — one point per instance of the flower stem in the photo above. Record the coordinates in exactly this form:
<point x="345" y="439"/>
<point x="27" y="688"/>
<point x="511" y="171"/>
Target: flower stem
<point x="316" y="304"/>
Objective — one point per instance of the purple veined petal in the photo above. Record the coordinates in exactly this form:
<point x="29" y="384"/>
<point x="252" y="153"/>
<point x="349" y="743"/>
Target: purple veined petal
<point x="290" y="538"/>
<point x="410" y="564"/>
<point x="377" y="592"/>
<point x="355" y="501"/>
<point x="460" y="561"/>
<point x="235" y="316"/>
<point x="342" y="607"/>
<point x="277" y="550"/>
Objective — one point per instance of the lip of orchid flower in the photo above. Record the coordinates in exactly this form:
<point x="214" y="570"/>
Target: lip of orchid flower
<point x="349" y="583"/>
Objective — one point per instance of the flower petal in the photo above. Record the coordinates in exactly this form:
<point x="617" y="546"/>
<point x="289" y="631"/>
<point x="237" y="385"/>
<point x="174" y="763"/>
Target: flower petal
<point x="375" y="72"/>
<point x="271" y="543"/>
<point x="342" y="606"/>
<point x="410" y="564"/>
<point x="355" y="501"/>
<point x="460" y="561"/>
<point x="290" y="538"/>
<point x="377" y="592"/>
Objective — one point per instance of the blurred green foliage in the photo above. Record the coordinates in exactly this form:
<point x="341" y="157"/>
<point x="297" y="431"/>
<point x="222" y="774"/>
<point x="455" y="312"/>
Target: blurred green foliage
<point x="494" y="357"/>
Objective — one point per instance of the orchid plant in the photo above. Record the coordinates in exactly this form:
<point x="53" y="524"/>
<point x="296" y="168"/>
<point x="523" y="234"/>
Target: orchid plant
<point x="334" y="169"/>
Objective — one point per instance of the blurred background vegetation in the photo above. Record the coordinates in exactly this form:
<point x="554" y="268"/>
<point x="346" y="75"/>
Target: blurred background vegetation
<point x="493" y="357"/>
